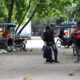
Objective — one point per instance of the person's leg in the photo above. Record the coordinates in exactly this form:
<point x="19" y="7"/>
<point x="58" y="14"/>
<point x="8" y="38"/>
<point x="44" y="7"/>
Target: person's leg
<point x="78" y="49"/>
<point x="55" y="52"/>
<point x="77" y="43"/>
<point x="49" y="53"/>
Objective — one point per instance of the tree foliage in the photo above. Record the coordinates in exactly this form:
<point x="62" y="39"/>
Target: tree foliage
<point x="48" y="10"/>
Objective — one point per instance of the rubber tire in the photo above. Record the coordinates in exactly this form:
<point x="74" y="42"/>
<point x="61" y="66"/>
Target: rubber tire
<point x="58" y="44"/>
<point x="23" y="47"/>
<point x="9" y="50"/>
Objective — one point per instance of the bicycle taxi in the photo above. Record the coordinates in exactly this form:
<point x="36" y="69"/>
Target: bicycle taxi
<point x="6" y="31"/>
<point x="8" y="37"/>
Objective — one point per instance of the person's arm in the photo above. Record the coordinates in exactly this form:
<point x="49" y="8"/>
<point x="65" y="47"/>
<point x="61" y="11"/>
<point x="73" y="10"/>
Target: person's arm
<point x="78" y="32"/>
<point x="75" y="32"/>
<point x="55" y="35"/>
<point x="42" y="37"/>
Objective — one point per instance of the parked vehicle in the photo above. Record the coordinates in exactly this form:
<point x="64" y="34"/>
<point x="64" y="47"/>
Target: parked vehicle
<point x="8" y="40"/>
<point x="61" y="43"/>
<point x="69" y="27"/>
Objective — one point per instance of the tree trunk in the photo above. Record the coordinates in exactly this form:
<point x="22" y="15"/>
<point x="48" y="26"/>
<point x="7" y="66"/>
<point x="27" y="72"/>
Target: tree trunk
<point x="11" y="10"/>
<point x="73" y="18"/>
<point x="23" y="17"/>
<point x="67" y="17"/>
<point x="29" y="19"/>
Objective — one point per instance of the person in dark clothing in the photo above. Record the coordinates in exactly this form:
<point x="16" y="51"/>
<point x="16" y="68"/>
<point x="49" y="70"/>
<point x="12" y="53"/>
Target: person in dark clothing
<point x="52" y="43"/>
<point x="61" y="35"/>
<point x="63" y="38"/>
<point x="49" y="39"/>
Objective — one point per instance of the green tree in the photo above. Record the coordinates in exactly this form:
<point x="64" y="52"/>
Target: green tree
<point x="44" y="10"/>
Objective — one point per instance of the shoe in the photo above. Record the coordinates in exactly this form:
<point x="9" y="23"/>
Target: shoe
<point x="53" y="60"/>
<point x="57" y="62"/>
<point x="47" y="61"/>
<point x="77" y="61"/>
<point x="50" y="61"/>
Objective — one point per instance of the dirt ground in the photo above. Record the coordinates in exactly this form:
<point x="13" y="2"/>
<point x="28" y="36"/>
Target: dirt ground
<point x="19" y="64"/>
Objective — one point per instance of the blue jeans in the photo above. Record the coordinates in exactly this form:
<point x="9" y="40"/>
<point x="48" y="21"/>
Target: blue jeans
<point x="53" y="45"/>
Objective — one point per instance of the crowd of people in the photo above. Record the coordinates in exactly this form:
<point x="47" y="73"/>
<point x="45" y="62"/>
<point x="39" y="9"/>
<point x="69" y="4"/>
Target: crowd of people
<point x="48" y="38"/>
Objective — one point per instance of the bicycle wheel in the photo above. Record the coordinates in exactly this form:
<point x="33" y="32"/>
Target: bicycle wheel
<point x="58" y="43"/>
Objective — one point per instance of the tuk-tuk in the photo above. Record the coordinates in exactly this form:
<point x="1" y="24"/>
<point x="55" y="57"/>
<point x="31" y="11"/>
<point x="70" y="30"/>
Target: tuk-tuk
<point x="8" y="39"/>
<point x="6" y="31"/>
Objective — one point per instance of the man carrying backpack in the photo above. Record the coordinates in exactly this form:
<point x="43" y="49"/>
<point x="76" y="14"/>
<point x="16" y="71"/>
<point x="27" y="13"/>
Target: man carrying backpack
<point x="48" y="37"/>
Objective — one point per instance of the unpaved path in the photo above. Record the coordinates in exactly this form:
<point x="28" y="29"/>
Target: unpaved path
<point x="17" y="65"/>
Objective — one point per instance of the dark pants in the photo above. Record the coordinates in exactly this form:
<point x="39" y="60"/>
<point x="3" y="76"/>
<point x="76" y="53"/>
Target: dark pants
<point x="53" y="45"/>
<point x="78" y="49"/>
<point x="78" y="42"/>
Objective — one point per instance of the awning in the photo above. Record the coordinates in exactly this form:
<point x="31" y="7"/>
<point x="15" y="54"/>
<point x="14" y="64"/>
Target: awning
<point x="7" y="24"/>
<point x="67" y="25"/>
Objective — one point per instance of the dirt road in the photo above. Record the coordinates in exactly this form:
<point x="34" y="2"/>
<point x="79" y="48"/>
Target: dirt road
<point x="17" y="65"/>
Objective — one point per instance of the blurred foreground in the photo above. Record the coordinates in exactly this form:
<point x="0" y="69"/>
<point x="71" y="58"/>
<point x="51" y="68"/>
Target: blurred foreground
<point x="19" y="64"/>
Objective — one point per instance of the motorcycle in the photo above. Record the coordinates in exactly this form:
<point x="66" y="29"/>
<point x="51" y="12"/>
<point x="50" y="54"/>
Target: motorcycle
<point x="19" y="44"/>
<point x="63" y="42"/>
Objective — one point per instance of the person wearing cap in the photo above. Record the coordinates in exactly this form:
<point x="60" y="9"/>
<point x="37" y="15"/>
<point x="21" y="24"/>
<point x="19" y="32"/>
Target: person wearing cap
<point x="53" y="45"/>
<point x="76" y="37"/>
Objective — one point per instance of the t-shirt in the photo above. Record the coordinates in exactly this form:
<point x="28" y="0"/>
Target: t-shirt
<point x="76" y="36"/>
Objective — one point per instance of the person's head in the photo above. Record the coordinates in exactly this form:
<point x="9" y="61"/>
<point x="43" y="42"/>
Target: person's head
<point x="62" y="29"/>
<point x="52" y="25"/>
<point x="47" y="27"/>
<point x="78" y="23"/>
